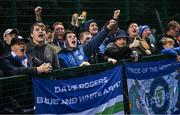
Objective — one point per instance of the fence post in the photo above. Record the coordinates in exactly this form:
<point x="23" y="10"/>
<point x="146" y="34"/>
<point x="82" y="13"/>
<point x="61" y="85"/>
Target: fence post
<point x="125" y="90"/>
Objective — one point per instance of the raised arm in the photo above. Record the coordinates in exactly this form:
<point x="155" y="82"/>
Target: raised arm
<point x="93" y="45"/>
<point x="116" y="14"/>
<point x="38" y="11"/>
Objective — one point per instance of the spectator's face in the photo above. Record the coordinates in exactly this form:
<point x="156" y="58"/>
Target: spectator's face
<point x="9" y="37"/>
<point x="93" y="29"/>
<point x="121" y="42"/>
<point x="59" y="30"/>
<point x="178" y="38"/>
<point x="49" y="37"/>
<point x="174" y="31"/>
<point x="85" y="38"/>
<point x="19" y="49"/>
<point x="71" y="41"/>
<point x="168" y="45"/>
<point x="133" y="30"/>
<point x="146" y="33"/>
<point x="38" y="34"/>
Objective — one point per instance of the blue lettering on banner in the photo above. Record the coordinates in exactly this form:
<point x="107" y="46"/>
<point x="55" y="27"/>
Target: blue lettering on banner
<point x="77" y="94"/>
<point x="147" y="70"/>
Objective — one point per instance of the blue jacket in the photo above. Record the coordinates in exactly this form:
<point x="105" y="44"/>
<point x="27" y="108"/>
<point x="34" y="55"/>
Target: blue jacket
<point x="72" y="58"/>
<point x="171" y="51"/>
<point x="82" y="52"/>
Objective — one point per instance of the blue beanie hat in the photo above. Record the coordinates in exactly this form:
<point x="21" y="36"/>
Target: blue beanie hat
<point x="142" y="28"/>
<point x="87" y="24"/>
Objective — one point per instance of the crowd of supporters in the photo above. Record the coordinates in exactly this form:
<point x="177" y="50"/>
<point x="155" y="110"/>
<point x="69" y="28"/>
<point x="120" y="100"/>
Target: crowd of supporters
<point x="54" y="47"/>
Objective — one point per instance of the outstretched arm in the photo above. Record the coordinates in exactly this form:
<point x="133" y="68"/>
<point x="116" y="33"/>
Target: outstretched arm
<point x="169" y="51"/>
<point x="93" y="45"/>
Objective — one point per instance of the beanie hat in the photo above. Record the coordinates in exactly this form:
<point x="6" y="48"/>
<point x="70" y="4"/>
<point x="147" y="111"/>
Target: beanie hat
<point x="87" y="24"/>
<point x="142" y="28"/>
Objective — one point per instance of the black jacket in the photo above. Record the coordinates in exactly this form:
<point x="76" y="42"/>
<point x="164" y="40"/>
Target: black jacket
<point x="113" y="51"/>
<point x="12" y="66"/>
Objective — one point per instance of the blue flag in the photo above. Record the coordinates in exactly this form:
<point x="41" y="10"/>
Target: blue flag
<point x="153" y="87"/>
<point x="90" y="94"/>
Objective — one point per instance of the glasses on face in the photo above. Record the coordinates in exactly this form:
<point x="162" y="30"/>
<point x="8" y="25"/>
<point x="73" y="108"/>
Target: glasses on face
<point x="59" y="29"/>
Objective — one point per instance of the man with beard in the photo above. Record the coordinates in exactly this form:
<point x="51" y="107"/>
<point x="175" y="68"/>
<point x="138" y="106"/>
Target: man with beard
<point x="39" y="49"/>
<point x="75" y="55"/>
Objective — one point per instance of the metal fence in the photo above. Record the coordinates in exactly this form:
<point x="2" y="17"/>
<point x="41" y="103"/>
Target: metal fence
<point x="16" y="94"/>
<point x="20" y="13"/>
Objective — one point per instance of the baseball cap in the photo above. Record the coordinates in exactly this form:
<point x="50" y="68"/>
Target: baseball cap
<point x="10" y="30"/>
<point x="18" y="39"/>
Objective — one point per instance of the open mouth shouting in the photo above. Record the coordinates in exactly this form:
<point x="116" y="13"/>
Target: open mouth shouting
<point x="41" y="35"/>
<point x="22" y="50"/>
<point x="74" y="43"/>
<point x="135" y="31"/>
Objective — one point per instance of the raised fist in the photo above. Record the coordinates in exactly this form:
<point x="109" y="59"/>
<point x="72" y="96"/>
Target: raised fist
<point x="38" y="10"/>
<point x="116" y="14"/>
<point x="74" y="19"/>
